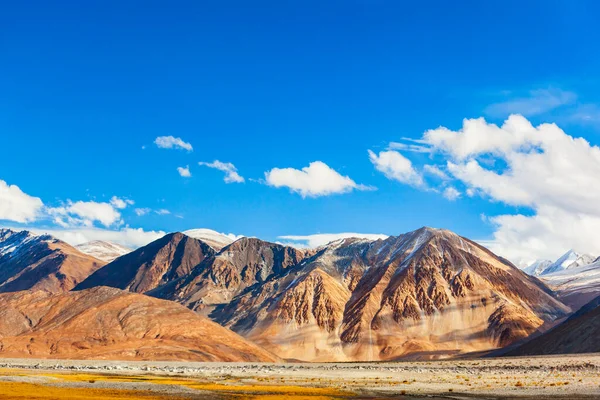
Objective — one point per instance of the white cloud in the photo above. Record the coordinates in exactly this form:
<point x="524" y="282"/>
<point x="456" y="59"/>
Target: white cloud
<point x="142" y="211"/>
<point x="162" y="211"/>
<point x="541" y="168"/>
<point x="231" y="174"/>
<point x="121" y="203"/>
<point x="84" y="213"/>
<point x="184" y="172"/>
<point x="170" y="142"/>
<point x="535" y="103"/>
<point x="396" y="167"/>
<point x="73" y="221"/>
<point x="17" y="206"/>
<point x="321" y="239"/>
<point x="451" y="193"/>
<point x="318" y="179"/>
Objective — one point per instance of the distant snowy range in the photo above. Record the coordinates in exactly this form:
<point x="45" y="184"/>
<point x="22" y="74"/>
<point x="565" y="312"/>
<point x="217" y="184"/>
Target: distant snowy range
<point x="574" y="276"/>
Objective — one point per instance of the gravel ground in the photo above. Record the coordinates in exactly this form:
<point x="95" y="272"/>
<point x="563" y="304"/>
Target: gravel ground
<point x="560" y="377"/>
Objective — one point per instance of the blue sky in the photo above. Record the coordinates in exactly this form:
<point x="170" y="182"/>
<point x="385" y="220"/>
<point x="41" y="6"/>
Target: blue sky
<point x="87" y="87"/>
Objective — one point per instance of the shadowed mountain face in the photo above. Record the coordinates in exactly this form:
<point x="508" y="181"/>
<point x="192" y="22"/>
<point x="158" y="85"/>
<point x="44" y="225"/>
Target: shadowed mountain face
<point x="429" y="292"/>
<point x="218" y="279"/>
<point x="108" y="323"/>
<point x="29" y="261"/>
<point x="580" y="333"/>
<point x="168" y="258"/>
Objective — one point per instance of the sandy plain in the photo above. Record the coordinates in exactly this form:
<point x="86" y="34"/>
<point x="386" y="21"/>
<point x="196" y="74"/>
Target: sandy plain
<point x="560" y="377"/>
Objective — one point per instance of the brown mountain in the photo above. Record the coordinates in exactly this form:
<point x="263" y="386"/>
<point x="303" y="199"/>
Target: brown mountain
<point x="108" y="323"/>
<point x="29" y="261"/>
<point x="427" y="293"/>
<point x="243" y="263"/>
<point x="168" y="258"/>
<point x="580" y="333"/>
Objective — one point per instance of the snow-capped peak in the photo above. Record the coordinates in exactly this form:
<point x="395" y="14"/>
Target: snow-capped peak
<point x="214" y="239"/>
<point x="571" y="259"/>
<point x="12" y="241"/>
<point x="102" y="250"/>
<point x="537" y="267"/>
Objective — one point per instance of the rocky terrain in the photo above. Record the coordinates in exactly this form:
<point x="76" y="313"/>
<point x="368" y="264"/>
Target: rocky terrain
<point x="426" y="294"/>
<point x="41" y="262"/>
<point x="108" y="323"/>
<point x="238" y="266"/>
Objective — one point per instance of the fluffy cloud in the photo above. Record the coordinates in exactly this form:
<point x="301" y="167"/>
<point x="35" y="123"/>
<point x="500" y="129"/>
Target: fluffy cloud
<point x="321" y="239"/>
<point x="542" y="168"/>
<point x="162" y="211"/>
<point x="17" y="206"/>
<point x="85" y="213"/>
<point x="395" y="166"/>
<point x="170" y="142"/>
<point x="318" y="179"/>
<point x="231" y="174"/>
<point x="184" y="172"/>
<point x="121" y="203"/>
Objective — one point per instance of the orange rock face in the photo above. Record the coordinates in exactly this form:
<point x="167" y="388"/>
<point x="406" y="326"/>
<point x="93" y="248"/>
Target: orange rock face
<point x="108" y="323"/>
<point x="425" y="294"/>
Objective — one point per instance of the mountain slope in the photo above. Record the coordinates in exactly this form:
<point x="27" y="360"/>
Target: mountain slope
<point x="218" y="279"/>
<point x="165" y="259"/>
<point x="580" y="333"/>
<point x="29" y="261"/>
<point x="107" y="323"/>
<point x="428" y="293"/>
<point x="102" y="250"/>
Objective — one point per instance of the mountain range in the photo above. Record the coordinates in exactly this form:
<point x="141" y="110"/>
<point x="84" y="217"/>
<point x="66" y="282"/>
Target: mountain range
<point x="424" y="294"/>
<point x="574" y="277"/>
<point x="428" y="292"/>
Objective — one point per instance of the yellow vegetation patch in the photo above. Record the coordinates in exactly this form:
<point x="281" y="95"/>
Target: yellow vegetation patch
<point x="22" y="390"/>
<point x="231" y="389"/>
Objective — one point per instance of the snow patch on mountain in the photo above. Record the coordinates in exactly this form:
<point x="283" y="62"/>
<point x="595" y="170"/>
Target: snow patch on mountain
<point x="103" y="250"/>
<point x="537" y="267"/>
<point x="214" y="239"/>
<point x="11" y="242"/>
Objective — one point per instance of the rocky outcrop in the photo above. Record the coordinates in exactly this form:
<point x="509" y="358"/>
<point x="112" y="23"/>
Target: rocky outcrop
<point x="246" y="262"/>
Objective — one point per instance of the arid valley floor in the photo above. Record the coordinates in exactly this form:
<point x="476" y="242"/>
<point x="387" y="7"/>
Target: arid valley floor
<point x="561" y="377"/>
